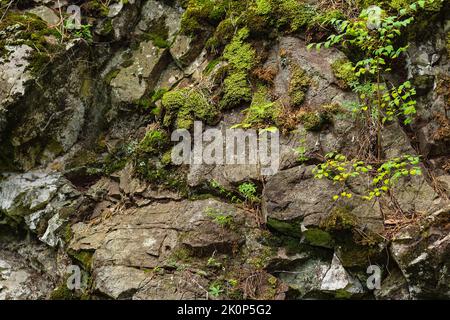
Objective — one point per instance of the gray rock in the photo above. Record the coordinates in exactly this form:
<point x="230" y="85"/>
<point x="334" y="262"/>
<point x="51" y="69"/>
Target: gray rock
<point x="156" y="15"/>
<point x="36" y="198"/>
<point x="46" y="14"/>
<point x="118" y="282"/>
<point x="295" y="195"/>
<point x="338" y="281"/>
<point x="422" y="253"/>
<point x="394" y="287"/>
<point x="132" y="82"/>
<point x="13" y="74"/>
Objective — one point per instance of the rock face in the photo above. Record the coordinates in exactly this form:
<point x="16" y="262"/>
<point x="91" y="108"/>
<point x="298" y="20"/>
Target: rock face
<point x="40" y="200"/>
<point x="87" y="181"/>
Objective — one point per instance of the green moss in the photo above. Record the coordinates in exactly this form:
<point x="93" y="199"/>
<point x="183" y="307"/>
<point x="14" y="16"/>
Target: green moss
<point x="84" y="157"/>
<point x="262" y="111"/>
<point x="166" y="158"/>
<point x="241" y="57"/>
<point x="84" y="257"/>
<point x="158" y="40"/>
<point x="167" y="178"/>
<point x="117" y="159"/>
<point x="237" y="90"/>
<point x="295" y="14"/>
<point x="183" y="106"/>
<point x="431" y="6"/>
<point x="153" y="142"/>
<point x="238" y="53"/>
<point x="200" y="13"/>
<point x="62" y="292"/>
<point x="317" y="237"/>
<point x="317" y="119"/>
<point x="298" y="85"/>
<point x="341" y="218"/>
<point x="289" y="228"/>
<point x="96" y="8"/>
<point x="111" y="75"/>
<point x="344" y="73"/>
<point x="68" y="234"/>
<point x="211" y="65"/>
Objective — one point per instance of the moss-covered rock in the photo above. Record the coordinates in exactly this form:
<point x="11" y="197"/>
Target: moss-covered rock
<point x="262" y="111"/>
<point x="298" y="85"/>
<point x="154" y="141"/>
<point x="183" y="106"/>
<point x="344" y="73"/>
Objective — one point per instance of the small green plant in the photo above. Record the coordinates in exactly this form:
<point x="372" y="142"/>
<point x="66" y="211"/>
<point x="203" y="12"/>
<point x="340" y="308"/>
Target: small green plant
<point x="223" y="192"/>
<point x="213" y="263"/>
<point x="215" y="290"/>
<point x="302" y="150"/>
<point x="222" y="219"/>
<point x="380" y="180"/>
<point x="249" y="191"/>
<point x="376" y="35"/>
<point x="84" y="33"/>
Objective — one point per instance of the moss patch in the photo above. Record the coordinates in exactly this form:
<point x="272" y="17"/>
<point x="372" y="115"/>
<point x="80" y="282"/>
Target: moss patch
<point x="153" y="142"/>
<point x="298" y="85"/>
<point x="317" y="237"/>
<point x="240" y="55"/>
<point x="183" y="106"/>
<point x="343" y="71"/>
<point x="289" y="228"/>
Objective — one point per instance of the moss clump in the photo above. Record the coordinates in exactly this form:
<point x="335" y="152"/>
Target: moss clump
<point x="262" y="111"/>
<point x="62" y="292"/>
<point x="84" y="257"/>
<point x="238" y="53"/>
<point x="117" y="159"/>
<point x="82" y="158"/>
<point x="317" y="237"/>
<point x="315" y="120"/>
<point x="153" y="142"/>
<point x="295" y="14"/>
<point x="341" y="218"/>
<point x="298" y="85"/>
<point x="96" y="8"/>
<point x="237" y="90"/>
<point x="201" y="13"/>
<point x="288" y="228"/>
<point x="240" y="56"/>
<point x="183" y="106"/>
<point x="344" y="73"/>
